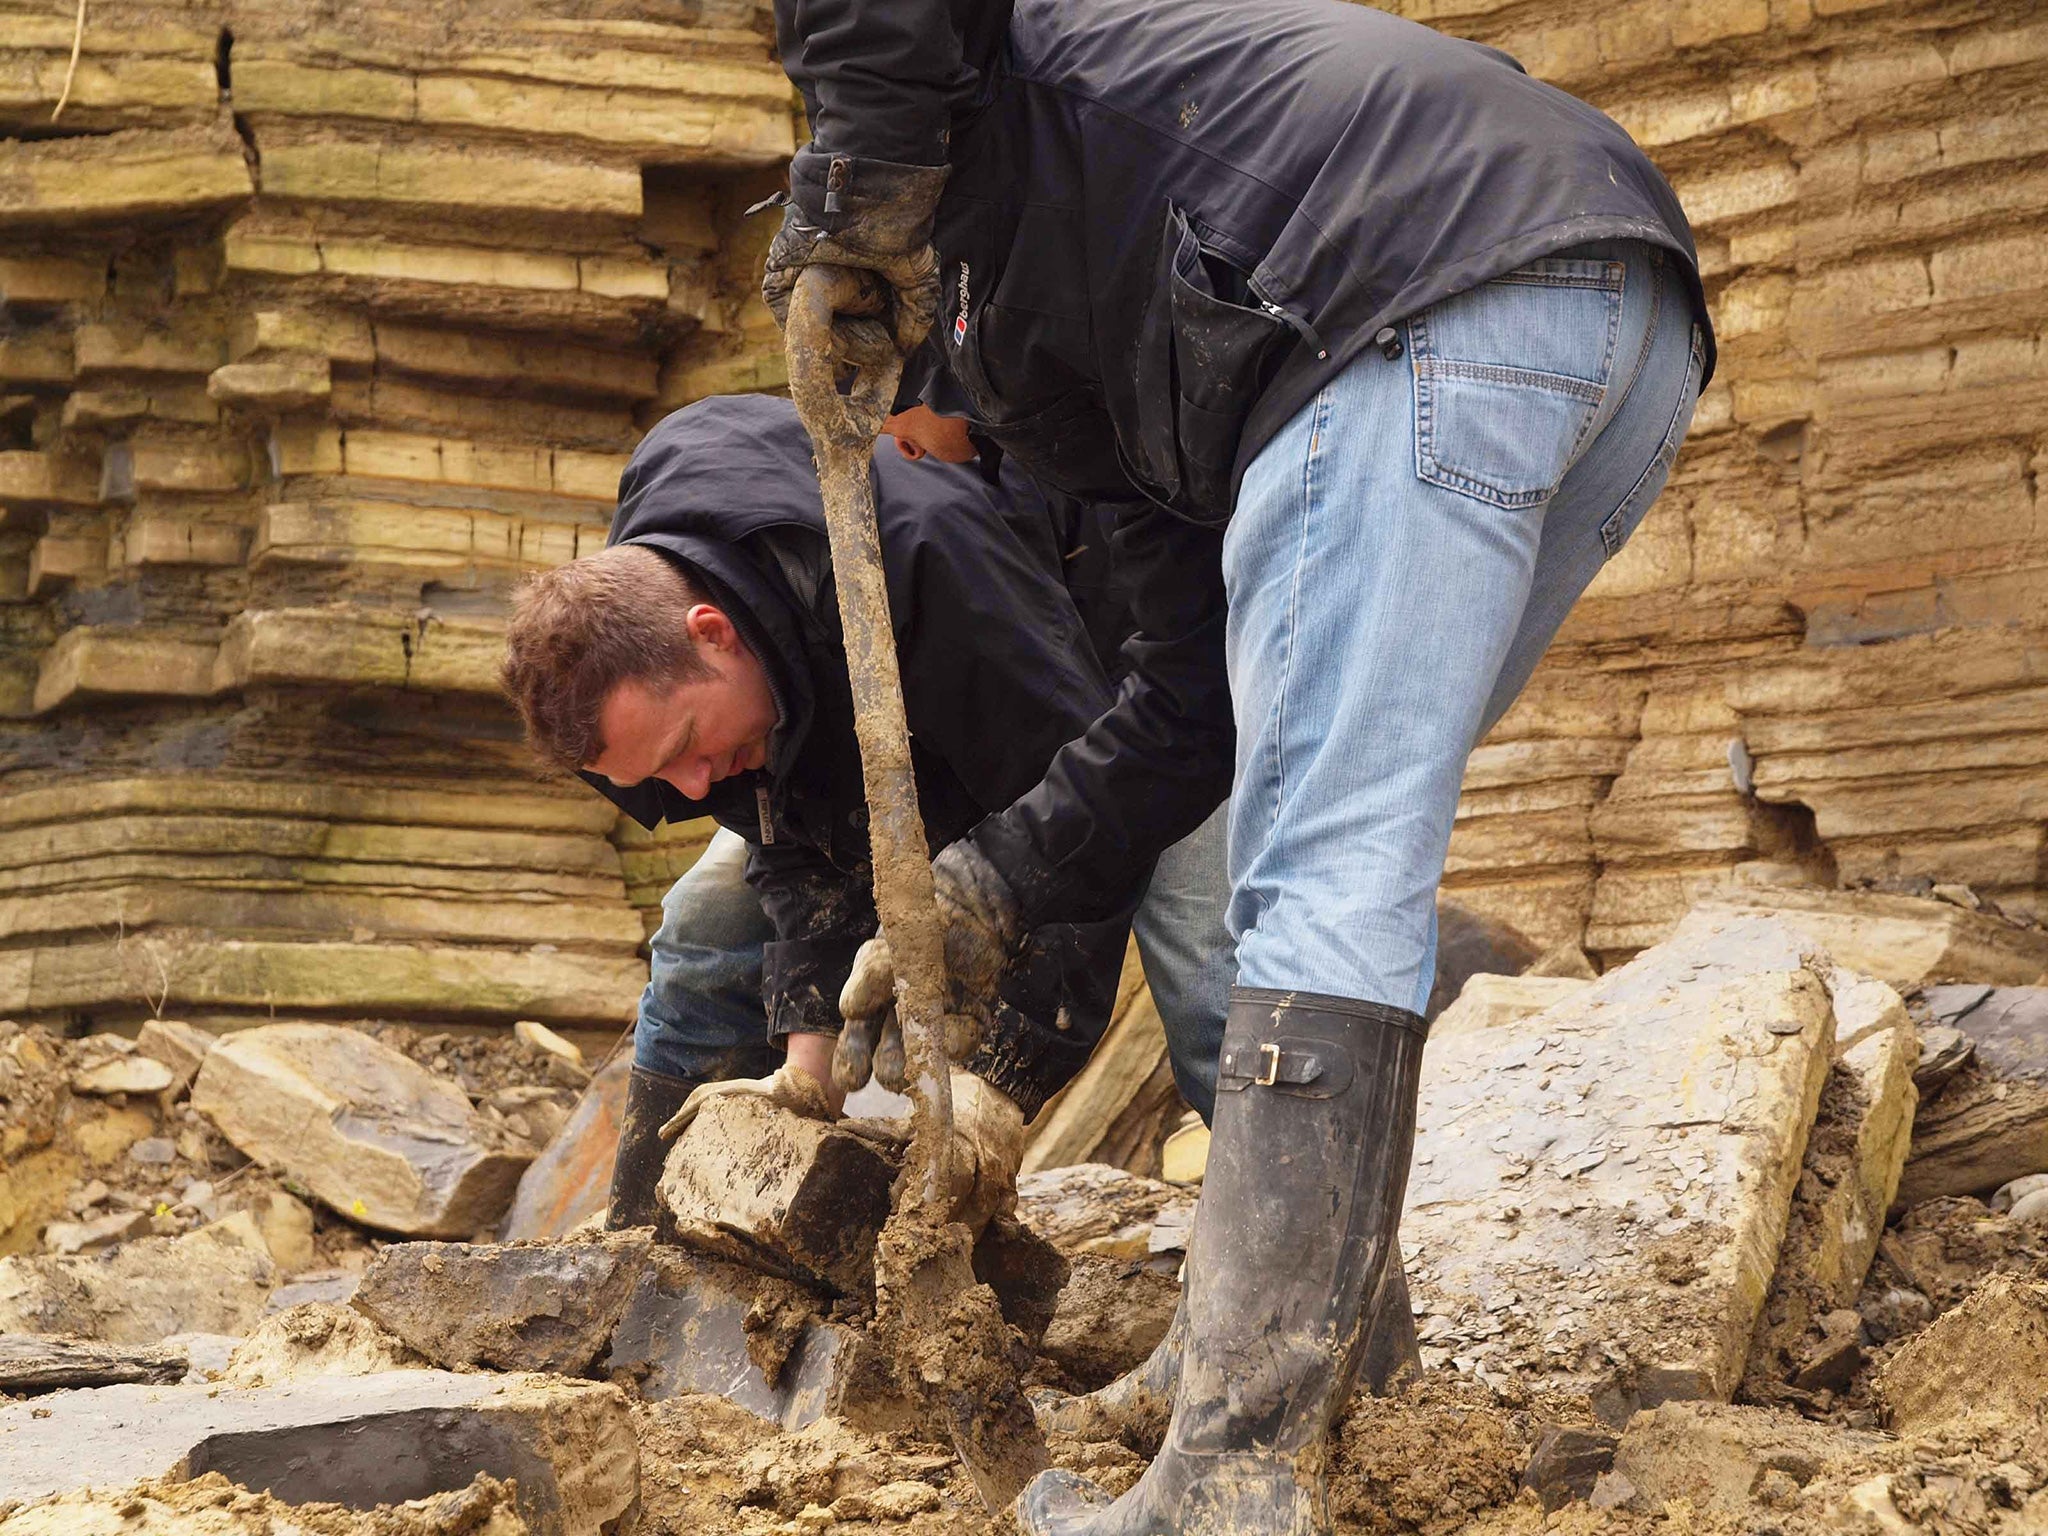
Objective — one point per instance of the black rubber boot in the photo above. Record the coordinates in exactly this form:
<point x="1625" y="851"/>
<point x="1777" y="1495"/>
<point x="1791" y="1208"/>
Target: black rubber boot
<point x="1315" y="1120"/>
<point x="1135" y="1407"/>
<point x="651" y="1099"/>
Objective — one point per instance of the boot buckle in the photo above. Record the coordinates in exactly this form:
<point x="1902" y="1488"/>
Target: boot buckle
<point x="1269" y="1065"/>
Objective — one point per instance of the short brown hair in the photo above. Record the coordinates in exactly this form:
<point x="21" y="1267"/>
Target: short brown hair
<point x="581" y="629"/>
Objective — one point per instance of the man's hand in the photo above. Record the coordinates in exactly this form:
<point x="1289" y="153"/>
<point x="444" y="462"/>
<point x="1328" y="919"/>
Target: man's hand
<point x="877" y="218"/>
<point x="789" y="1086"/>
<point x="982" y="927"/>
<point x="988" y="1146"/>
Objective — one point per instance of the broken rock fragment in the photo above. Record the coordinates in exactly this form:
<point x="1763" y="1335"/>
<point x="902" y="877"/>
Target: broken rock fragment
<point x="357" y="1441"/>
<point x="180" y="1047"/>
<point x="316" y="1339"/>
<point x="214" y="1280"/>
<point x="1110" y="1314"/>
<point x="368" y="1131"/>
<point x="1565" y="1462"/>
<point x="571" y="1179"/>
<point x="1093" y="1208"/>
<point x="123" y="1074"/>
<point x="689" y="1326"/>
<point x="35" y="1363"/>
<point x="790" y="1195"/>
<point x="1720" y="1458"/>
<point x="1599" y="1191"/>
<point x="1987" y="1356"/>
<point x="510" y="1306"/>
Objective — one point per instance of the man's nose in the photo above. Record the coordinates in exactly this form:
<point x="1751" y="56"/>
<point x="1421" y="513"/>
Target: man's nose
<point x="693" y="780"/>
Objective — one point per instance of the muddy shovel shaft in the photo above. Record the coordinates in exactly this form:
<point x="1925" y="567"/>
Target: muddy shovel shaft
<point x="843" y="429"/>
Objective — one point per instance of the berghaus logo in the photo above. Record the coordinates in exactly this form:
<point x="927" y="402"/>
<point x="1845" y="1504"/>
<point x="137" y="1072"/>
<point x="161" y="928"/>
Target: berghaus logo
<point x="960" y="319"/>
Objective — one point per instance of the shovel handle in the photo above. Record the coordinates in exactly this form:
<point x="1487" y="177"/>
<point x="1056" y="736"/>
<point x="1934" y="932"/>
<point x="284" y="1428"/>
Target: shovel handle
<point x="843" y="430"/>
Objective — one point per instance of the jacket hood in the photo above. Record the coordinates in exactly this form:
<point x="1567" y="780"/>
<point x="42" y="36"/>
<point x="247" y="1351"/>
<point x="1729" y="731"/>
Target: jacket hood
<point x="699" y="485"/>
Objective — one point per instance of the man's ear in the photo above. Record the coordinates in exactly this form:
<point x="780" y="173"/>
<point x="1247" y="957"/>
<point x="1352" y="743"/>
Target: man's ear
<point x="709" y="626"/>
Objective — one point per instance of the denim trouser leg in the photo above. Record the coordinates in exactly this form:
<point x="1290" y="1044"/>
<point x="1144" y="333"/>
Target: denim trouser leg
<point x="701" y="1016"/>
<point x="1189" y="959"/>
<point x="1401" y="554"/>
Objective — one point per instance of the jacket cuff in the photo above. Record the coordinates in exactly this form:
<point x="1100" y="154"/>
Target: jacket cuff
<point x="800" y="984"/>
<point x="834" y="191"/>
<point x="1027" y="1061"/>
<point x="1034" y="881"/>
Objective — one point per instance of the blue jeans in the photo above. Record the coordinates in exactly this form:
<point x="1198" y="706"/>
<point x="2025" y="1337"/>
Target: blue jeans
<point x="701" y="1015"/>
<point x="1401" y="554"/>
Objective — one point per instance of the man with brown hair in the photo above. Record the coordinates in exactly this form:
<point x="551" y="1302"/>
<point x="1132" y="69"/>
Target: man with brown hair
<point x="695" y="667"/>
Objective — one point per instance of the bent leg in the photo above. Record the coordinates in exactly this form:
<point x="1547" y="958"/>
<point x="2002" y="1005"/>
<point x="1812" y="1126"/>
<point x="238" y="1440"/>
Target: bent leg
<point x="1189" y="957"/>
<point x="701" y="1016"/>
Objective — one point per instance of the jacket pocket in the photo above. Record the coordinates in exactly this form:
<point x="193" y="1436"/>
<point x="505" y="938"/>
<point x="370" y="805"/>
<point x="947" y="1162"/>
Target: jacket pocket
<point x="1510" y="377"/>
<point x="1206" y="349"/>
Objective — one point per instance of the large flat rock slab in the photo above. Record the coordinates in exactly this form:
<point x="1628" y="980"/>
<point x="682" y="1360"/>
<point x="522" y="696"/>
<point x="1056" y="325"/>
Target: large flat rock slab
<point x="1599" y="1190"/>
<point x="1904" y="941"/>
<point x="358" y="1441"/>
<point x="371" y="1133"/>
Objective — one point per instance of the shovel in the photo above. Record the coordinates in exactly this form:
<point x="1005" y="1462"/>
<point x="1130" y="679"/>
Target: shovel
<point x="945" y="1330"/>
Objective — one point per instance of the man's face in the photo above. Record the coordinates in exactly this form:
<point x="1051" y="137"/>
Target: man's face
<point x="690" y="734"/>
<point x="922" y="430"/>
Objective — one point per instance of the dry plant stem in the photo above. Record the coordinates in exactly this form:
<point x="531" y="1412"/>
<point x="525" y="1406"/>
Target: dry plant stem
<point x="843" y="431"/>
<point x="71" y="69"/>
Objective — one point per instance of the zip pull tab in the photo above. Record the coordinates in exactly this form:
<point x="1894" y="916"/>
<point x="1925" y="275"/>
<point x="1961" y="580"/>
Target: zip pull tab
<point x="837" y="174"/>
<point x="766" y="818"/>
<point x="1294" y="323"/>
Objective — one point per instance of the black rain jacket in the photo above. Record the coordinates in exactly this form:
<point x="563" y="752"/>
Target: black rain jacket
<point x="998" y="672"/>
<point x="1168" y="224"/>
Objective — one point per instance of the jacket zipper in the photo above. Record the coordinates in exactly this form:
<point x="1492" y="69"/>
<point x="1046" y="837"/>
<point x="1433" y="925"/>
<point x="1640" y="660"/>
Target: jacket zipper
<point x="1295" y="323"/>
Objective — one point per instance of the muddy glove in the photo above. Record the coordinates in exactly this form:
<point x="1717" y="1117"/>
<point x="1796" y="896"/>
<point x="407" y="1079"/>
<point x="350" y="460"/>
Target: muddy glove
<point x="789" y="1086"/>
<point x="982" y="927"/>
<point x="988" y="1146"/>
<point x="873" y="215"/>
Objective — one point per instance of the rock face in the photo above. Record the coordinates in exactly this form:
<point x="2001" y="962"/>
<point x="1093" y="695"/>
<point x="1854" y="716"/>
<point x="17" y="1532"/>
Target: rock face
<point x="1600" y="1190"/>
<point x="284" y="412"/>
<point x="512" y="1307"/>
<point x="369" y="1132"/>
<point x="279" y="443"/>
<point x="352" y="1440"/>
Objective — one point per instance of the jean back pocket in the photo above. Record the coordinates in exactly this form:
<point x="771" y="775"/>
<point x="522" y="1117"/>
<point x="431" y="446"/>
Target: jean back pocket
<point x="1510" y="376"/>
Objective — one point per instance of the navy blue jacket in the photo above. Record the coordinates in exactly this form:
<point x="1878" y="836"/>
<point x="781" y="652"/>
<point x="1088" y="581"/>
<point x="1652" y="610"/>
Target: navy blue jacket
<point x="998" y="672"/>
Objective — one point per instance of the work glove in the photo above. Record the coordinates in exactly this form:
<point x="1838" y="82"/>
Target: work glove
<point x="788" y="1086"/>
<point x="988" y="1146"/>
<point x="982" y="925"/>
<point x="877" y="217"/>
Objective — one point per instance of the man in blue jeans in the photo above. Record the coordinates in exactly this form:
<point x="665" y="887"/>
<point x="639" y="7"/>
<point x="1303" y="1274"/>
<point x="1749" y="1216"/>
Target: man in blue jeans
<point x="1381" y="348"/>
